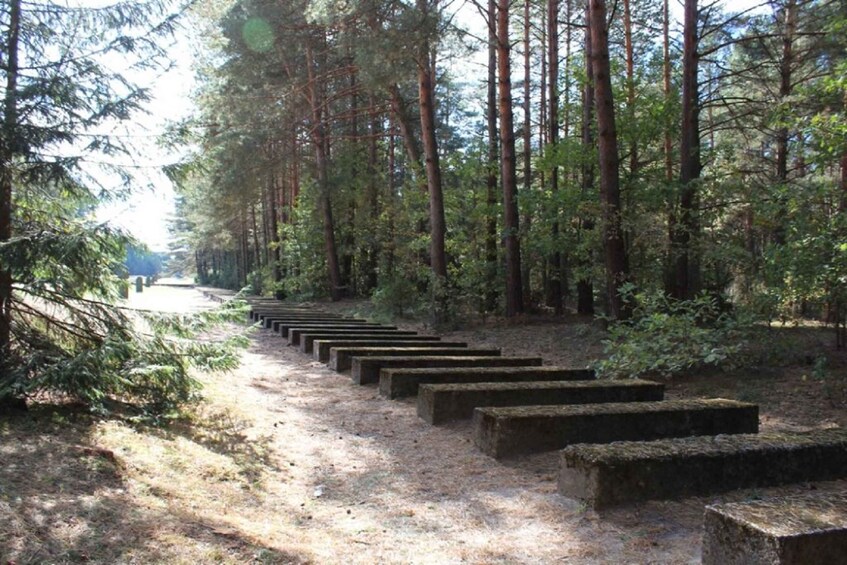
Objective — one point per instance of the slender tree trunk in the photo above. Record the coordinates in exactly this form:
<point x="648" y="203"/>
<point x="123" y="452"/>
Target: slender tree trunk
<point x="321" y="143"/>
<point x="666" y="89"/>
<point x="527" y="145"/>
<point x="8" y="150"/>
<point x="404" y="122"/>
<point x="670" y="266"/>
<point x="372" y="249"/>
<point x="585" y="286"/>
<point x="785" y="89"/>
<point x="615" y="252"/>
<point x="438" y="256"/>
<point x="554" y="281"/>
<point x="257" y="249"/>
<point x="491" y="179"/>
<point x="630" y="86"/>
<point x="276" y="244"/>
<point x="687" y="261"/>
<point x="511" y="223"/>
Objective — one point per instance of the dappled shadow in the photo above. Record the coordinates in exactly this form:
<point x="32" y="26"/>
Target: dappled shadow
<point x="430" y="486"/>
<point x="64" y="499"/>
<point x="219" y="430"/>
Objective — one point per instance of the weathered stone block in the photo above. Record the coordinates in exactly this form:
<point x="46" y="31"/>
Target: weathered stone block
<point x="268" y="320"/>
<point x="366" y="370"/>
<point x="796" y="530"/>
<point x="276" y="322"/>
<point x="295" y="331"/>
<point x="506" y="432"/>
<point x="307" y="340"/>
<point x="399" y="382"/>
<point x="341" y="358"/>
<point x="324" y="344"/>
<point x="446" y="402"/>
<point x="624" y="472"/>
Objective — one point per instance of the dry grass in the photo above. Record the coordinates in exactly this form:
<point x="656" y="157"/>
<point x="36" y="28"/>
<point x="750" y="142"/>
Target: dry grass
<point x="288" y="462"/>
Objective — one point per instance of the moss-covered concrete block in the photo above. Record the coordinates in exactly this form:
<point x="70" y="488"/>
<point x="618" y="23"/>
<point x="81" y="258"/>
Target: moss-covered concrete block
<point x="269" y="321"/>
<point x="341" y="358"/>
<point x="307" y="340"/>
<point x="625" y="472"/>
<point x="282" y="326"/>
<point x="323" y="346"/>
<point x="442" y="403"/>
<point x="796" y="530"/>
<point x="399" y="382"/>
<point x="366" y="370"/>
<point x="506" y="432"/>
<point x="295" y="332"/>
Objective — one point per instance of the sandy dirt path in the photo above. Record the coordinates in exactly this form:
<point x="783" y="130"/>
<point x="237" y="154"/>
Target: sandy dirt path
<point x="286" y="461"/>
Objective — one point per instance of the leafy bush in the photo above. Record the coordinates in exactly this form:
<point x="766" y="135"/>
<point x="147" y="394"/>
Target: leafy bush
<point x="666" y="337"/>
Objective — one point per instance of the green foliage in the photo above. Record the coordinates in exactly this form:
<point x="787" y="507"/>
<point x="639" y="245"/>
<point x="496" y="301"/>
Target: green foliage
<point x="71" y="336"/>
<point x="667" y="337"/>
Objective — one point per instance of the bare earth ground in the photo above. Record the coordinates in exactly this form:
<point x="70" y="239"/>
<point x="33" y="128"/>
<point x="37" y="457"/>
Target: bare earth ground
<point x="289" y="462"/>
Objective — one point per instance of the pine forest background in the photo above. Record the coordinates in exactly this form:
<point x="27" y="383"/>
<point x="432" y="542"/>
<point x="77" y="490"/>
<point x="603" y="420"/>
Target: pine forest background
<point x="571" y="155"/>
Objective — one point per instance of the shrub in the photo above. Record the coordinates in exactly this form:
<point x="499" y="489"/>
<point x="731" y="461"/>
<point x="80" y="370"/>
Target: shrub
<point x="666" y="337"/>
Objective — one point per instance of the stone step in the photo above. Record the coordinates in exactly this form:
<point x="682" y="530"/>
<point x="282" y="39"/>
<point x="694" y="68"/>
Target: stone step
<point x="341" y="358"/>
<point x="260" y="315"/>
<point x="506" y="432"/>
<point x="626" y="472"/>
<point x="792" y="530"/>
<point x="399" y="382"/>
<point x="269" y="321"/>
<point x="366" y="370"/>
<point x="438" y="404"/>
<point x="294" y="332"/>
<point x="307" y="340"/>
<point x="277" y="322"/>
<point x="321" y="351"/>
<point x="282" y="326"/>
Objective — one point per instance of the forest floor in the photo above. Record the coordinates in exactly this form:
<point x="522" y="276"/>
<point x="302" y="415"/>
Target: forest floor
<point x="286" y="461"/>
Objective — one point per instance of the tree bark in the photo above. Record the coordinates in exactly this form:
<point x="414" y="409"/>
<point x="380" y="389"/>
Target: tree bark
<point x="511" y="223"/>
<point x="404" y="122"/>
<point x="554" y="281"/>
<point x="438" y="256"/>
<point x="785" y="89"/>
<point x="614" y="250"/>
<point x="491" y="179"/>
<point x="8" y="149"/>
<point x="585" y="286"/>
<point x="687" y="280"/>
<point x="527" y="144"/>
<point x="321" y="143"/>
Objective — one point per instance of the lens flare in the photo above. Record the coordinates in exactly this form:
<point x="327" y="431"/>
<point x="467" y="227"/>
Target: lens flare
<point x="258" y="35"/>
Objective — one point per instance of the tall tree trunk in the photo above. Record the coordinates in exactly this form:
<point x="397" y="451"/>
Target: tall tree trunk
<point x="8" y="149"/>
<point x="585" y="286"/>
<point x="785" y="88"/>
<point x="276" y="244"/>
<point x="491" y="179"/>
<point x="666" y="89"/>
<point x="615" y="252"/>
<point x="687" y="260"/>
<point x="438" y="256"/>
<point x="372" y="249"/>
<point x="400" y="110"/>
<point x="321" y="143"/>
<point x="511" y="223"/>
<point x="527" y="144"/>
<point x="554" y="281"/>
<point x="630" y="85"/>
<point x="670" y="266"/>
